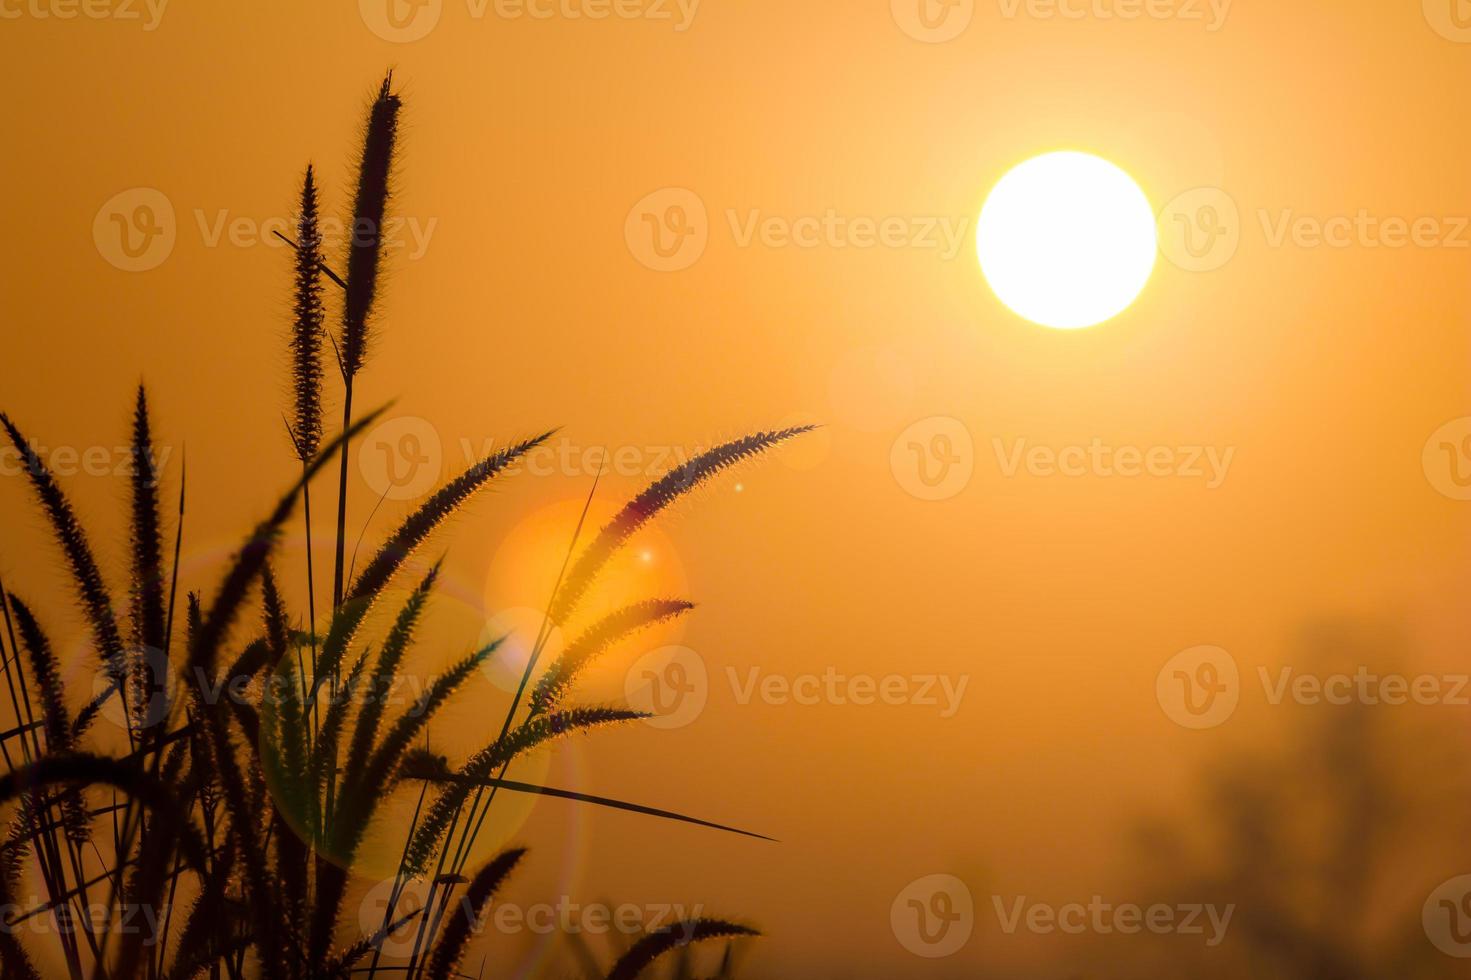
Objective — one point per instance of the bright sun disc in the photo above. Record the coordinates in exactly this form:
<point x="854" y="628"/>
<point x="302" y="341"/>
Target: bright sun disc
<point x="1067" y="240"/>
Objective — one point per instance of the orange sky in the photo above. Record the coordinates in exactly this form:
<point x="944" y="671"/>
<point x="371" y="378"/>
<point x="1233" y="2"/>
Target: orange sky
<point x="1313" y="374"/>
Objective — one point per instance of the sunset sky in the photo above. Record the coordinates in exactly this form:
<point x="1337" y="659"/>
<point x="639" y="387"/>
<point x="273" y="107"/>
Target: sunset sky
<point x="930" y="636"/>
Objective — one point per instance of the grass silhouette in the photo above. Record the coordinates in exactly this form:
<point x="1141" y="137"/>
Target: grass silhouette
<point x="243" y="804"/>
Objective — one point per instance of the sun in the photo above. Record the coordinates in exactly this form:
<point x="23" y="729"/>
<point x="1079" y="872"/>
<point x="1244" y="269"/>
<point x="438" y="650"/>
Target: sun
<point x="1067" y="240"/>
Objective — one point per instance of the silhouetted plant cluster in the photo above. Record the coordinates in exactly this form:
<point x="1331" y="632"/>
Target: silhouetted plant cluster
<point x="257" y="807"/>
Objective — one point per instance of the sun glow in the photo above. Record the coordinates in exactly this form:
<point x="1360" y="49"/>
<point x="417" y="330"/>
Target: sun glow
<point x="1067" y="240"/>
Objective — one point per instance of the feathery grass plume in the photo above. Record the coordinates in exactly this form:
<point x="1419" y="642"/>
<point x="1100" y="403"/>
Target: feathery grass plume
<point x="309" y="317"/>
<point x="660" y="941"/>
<point x="521" y="739"/>
<point x="47" y="672"/>
<point x="149" y="617"/>
<point x="581" y="652"/>
<point x="341" y="965"/>
<point x="308" y="327"/>
<point x="91" y="589"/>
<point x="57" y="724"/>
<point x="402" y="545"/>
<point x="440" y="507"/>
<point x="643" y="508"/>
<point x="383" y="763"/>
<point x="385" y="671"/>
<point x="487" y="881"/>
<point x="364" y="257"/>
<point x="16" y="961"/>
<point x="370" y="206"/>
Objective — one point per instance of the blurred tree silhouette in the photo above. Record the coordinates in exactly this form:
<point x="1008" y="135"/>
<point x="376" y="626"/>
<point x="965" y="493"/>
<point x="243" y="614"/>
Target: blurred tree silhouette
<point x="1327" y="837"/>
